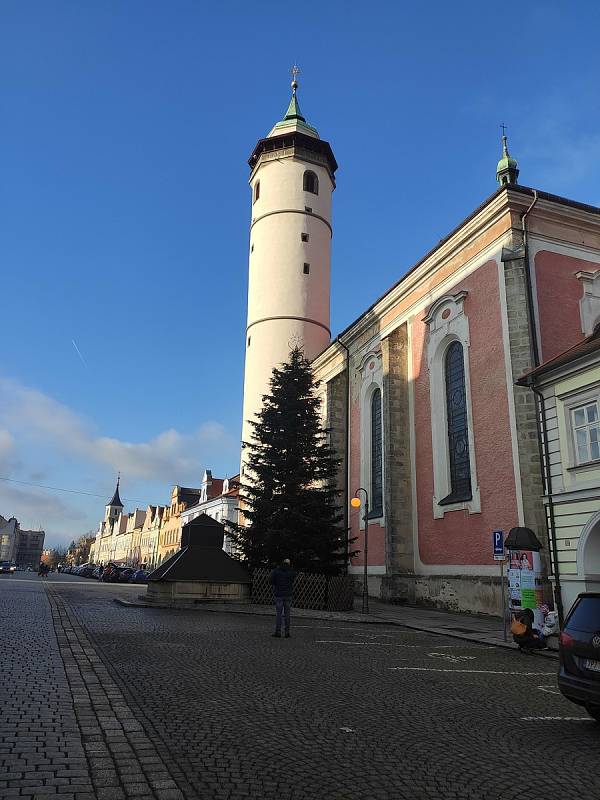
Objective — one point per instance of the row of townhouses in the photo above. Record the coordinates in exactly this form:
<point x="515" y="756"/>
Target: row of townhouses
<point x="146" y="537"/>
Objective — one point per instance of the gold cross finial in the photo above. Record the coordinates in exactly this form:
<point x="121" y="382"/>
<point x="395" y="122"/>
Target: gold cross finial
<point x="295" y="72"/>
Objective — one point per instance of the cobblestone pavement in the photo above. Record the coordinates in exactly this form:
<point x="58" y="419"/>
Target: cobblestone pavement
<point x="339" y="711"/>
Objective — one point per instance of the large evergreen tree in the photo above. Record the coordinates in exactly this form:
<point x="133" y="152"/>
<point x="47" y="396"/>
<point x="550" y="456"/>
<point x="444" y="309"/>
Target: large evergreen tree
<point x="288" y="494"/>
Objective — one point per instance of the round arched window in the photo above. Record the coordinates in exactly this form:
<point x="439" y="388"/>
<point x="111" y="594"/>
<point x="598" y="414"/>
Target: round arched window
<point x="311" y="182"/>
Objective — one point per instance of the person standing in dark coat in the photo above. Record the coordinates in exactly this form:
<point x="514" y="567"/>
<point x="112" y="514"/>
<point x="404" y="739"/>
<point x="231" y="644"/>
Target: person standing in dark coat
<point x="282" y="579"/>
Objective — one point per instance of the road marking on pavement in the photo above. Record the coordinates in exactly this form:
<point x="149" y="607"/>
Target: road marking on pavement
<point x="549" y="689"/>
<point x="557" y="719"/>
<point x="454" y="659"/>
<point x="381" y="644"/>
<point x="471" y="671"/>
<point x="403" y="632"/>
<point x="465" y="647"/>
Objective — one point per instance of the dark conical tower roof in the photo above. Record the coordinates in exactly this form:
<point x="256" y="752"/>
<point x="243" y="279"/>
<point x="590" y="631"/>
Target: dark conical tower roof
<point x="116" y="500"/>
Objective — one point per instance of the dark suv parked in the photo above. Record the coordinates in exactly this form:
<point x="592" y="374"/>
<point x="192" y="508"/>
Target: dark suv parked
<point x="579" y="646"/>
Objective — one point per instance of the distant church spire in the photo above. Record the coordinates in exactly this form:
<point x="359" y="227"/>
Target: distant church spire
<point x="507" y="170"/>
<point x="116" y="500"/>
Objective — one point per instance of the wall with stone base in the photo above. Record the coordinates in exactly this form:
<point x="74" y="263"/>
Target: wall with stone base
<point x="474" y="595"/>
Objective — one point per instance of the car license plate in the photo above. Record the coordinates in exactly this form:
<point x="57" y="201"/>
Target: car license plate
<point x="593" y="665"/>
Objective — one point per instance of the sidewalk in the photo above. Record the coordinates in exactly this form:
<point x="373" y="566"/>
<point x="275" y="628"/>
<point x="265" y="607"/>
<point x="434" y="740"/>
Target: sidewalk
<point x="486" y="630"/>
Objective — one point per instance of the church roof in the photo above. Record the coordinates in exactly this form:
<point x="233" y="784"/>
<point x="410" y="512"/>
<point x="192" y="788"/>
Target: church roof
<point x="116" y="500"/>
<point x="513" y="187"/>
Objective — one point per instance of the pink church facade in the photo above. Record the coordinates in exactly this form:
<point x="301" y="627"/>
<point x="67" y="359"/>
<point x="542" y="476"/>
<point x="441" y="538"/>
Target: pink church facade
<point x="420" y="392"/>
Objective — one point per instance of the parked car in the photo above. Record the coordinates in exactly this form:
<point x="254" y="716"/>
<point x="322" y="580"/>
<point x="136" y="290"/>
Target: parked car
<point x="110" y="574"/>
<point x="97" y="572"/>
<point x="579" y="650"/>
<point x="87" y="571"/>
<point x="125" y="574"/>
<point x="7" y="568"/>
<point x="139" y="576"/>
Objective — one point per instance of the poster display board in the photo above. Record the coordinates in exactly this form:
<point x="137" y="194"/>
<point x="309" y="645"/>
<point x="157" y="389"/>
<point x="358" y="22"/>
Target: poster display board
<point x="525" y="583"/>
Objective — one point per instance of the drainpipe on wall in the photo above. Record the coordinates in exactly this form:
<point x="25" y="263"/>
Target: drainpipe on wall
<point x="347" y="454"/>
<point x="548" y="491"/>
<point x="535" y="347"/>
<point x="541" y="413"/>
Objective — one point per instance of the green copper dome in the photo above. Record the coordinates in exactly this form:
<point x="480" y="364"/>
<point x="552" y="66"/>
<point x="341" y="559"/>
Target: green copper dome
<point x="507" y="170"/>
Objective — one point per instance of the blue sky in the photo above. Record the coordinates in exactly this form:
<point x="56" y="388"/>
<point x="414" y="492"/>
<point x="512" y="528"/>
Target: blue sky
<point x="124" y="204"/>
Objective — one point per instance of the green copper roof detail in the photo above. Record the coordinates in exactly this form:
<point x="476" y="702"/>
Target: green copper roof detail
<point x="507" y="170"/>
<point x="293" y="111"/>
<point x="294" y="119"/>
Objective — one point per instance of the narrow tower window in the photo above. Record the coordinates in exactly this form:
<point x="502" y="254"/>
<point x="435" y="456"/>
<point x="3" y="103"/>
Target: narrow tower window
<point x="306" y="269"/>
<point x="304" y="237"/>
<point x="249" y="341"/>
<point x="311" y="182"/>
<point x="256" y="191"/>
<point x="376" y="456"/>
<point x="458" y="426"/>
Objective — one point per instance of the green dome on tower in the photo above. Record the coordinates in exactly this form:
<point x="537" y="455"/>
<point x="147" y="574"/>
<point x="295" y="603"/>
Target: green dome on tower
<point x="507" y="170"/>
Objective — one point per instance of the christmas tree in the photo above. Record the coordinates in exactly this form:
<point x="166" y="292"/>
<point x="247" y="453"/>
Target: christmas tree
<point x="288" y="495"/>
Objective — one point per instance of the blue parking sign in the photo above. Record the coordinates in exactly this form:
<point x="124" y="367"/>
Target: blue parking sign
<point x="498" y="544"/>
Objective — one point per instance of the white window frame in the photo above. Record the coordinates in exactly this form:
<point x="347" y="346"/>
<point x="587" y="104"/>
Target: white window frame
<point x="371" y="380"/>
<point x="448" y="323"/>
<point x="585" y="427"/>
<point x="570" y="403"/>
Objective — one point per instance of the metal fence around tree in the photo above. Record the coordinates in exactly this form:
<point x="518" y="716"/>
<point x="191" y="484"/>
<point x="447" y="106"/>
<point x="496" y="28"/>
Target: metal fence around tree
<point x="322" y="592"/>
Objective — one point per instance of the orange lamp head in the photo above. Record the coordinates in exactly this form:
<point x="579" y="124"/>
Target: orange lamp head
<point x="355" y="502"/>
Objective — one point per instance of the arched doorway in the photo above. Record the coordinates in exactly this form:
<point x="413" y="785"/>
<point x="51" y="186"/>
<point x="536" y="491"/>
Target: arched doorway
<point x="588" y="555"/>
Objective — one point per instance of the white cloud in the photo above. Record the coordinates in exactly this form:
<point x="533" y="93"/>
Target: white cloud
<point x="8" y="453"/>
<point x="170" y="456"/>
<point x="36" y="507"/>
<point x="44" y="440"/>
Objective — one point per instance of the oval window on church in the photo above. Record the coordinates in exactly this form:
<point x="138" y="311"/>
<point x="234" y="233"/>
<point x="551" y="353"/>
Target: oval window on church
<point x="311" y="182"/>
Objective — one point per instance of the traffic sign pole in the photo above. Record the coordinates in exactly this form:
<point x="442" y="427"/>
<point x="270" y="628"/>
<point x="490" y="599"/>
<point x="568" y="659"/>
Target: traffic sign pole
<point x="503" y="600"/>
<point x="499" y="555"/>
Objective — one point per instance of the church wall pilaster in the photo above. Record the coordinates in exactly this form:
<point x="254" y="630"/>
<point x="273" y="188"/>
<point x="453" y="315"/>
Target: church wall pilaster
<point x="397" y="585"/>
<point x="524" y="400"/>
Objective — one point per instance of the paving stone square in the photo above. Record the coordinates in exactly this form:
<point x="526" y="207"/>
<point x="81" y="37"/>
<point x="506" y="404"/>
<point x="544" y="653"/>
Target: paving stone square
<point x="102" y="700"/>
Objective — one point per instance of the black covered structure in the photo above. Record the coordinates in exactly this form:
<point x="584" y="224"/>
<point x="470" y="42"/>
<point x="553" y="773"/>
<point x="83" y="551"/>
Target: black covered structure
<point x="201" y="570"/>
<point x="522" y="539"/>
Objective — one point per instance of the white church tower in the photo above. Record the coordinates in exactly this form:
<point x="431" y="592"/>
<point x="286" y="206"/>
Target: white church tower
<point x="292" y="181"/>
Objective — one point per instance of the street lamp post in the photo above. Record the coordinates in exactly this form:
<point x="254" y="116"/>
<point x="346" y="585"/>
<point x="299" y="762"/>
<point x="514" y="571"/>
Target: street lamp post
<point x="356" y="503"/>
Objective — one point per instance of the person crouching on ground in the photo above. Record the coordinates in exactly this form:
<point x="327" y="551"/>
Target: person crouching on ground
<point x="524" y="634"/>
<point x="282" y="579"/>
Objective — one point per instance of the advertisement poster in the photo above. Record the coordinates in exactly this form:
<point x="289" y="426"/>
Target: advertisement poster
<point x="524" y="583"/>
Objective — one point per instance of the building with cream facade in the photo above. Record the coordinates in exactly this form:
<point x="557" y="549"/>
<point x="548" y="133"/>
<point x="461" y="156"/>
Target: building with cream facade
<point x="219" y="499"/>
<point x="292" y="181"/>
<point x="569" y="389"/>
<point x="145" y="538"/>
